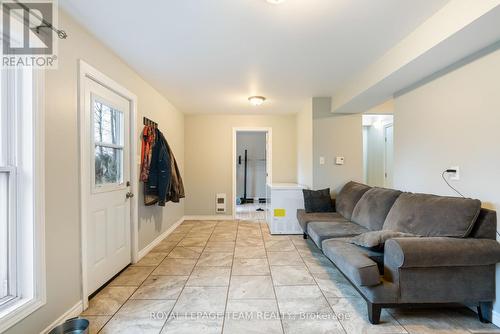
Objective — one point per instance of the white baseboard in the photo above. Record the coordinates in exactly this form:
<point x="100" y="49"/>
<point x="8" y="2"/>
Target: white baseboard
<point x="495" y="318"/>
<point x="71" y="313"/>
<point x="209" y="217"/>
<point x="159" y="239"/>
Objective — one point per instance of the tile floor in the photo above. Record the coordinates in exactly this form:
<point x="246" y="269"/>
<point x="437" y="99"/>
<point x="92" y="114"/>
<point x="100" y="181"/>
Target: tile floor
<point x="248" y="212"/>
<point x="234" y="277"/>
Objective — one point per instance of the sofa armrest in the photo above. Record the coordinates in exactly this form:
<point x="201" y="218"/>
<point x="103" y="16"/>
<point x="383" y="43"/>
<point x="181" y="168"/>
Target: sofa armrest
<point x="440" y="252"/>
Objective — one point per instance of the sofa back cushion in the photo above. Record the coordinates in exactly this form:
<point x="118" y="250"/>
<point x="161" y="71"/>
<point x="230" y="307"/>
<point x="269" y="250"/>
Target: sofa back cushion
<point x="433" y="216"/>
<point x="348" y="197"/>
<point x="373" y="207"/>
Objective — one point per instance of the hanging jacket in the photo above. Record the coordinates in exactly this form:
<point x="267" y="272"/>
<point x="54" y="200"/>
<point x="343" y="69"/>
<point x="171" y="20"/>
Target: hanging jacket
<point x="176" y="190"/>
<point x="158" y="183"/>
<point x="148" y="140"/>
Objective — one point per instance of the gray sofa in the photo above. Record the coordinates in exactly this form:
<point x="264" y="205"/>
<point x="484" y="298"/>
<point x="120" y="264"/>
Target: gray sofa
<point x="451" y="260"/>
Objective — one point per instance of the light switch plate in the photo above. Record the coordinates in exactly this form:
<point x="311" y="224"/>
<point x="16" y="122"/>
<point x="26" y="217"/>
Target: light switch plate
<point x="455" y="176"/>
<point x="339" y="160"/>
<point x="321" y="160"/>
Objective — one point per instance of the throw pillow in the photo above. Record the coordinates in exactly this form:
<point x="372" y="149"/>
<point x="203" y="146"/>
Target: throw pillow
<point x="375" y="240"/>
<point x="318" y="200"/>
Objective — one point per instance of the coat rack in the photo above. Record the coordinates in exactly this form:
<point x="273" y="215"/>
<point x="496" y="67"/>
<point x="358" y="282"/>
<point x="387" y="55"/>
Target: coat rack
<point x="146" y="121"/>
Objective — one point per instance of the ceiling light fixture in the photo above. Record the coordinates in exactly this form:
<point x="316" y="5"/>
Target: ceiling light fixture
<point x="256" y="100"/>
<point x="275" y="2"/>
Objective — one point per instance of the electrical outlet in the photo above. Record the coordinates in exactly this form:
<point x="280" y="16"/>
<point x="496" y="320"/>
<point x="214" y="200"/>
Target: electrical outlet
<point x="455" y="176"/>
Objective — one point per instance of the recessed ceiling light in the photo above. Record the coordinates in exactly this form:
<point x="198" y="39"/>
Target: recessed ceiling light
<point x="275" y="2"/>
<point x="256" y="100"/>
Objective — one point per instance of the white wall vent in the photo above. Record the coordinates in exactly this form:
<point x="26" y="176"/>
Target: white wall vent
<point x="220" y="203"/>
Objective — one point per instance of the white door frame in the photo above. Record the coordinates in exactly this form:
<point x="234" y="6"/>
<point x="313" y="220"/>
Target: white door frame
<point x="86" y="71"/>
<point x="269" y="156"/>
<point x="387" y="125"/>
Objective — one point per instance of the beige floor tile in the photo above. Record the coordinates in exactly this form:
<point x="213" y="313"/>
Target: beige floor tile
<point x="97" y="322"/>
<point x="109" y="300"/>
<point x="175" y="237"/>
<point x="250" y="253"/>
<point x="353" y="315"/>
<point x="251" y="287"/>
<point x="468" y="319"/>
<point x="252" y="316"/>
<point x="327" y="324"/>
<point x="185" y="253"/>
<point x="250" y="267"/>
<point x="279" y="246"/>
<point x="284" y="259"/>
<point x="135" y="317"/>
<point x="151" y="259"/>
<point x="223" y="237"/>
<point x="303" y="299"/>
<point x="193" y="242"/>
<point x="291" y="275"/>
<point x="334" y="285"/>
<point x="132" y="276"/>
<point x="179" y="267"/>
<point x="219" y="246"/>
<point x="164" y="246"/>
<point x="201" y="299"/>
<point x="193" y="325"/>
<point x="215" y="260"/>
<point x="423" y="321"/>
<point x="161" y="287"/>
<point x="210" y="276"/>
<point x="249" y="242"/>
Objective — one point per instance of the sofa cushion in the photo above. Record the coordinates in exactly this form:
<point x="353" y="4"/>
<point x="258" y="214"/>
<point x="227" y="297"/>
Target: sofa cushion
<point x="319" y="231"/>
<point x="305" y="218"/>
<point x="373" y="207"/>
<point x="353" y="262"/>
<point x="375" y="240"/>
<point x="348" y="197"/>
<point x="318" y="201"/>
<point x="433" y="216"/>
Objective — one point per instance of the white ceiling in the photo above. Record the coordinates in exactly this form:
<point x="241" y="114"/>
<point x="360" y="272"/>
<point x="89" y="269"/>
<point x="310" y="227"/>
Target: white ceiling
<point x="208" y="56"/>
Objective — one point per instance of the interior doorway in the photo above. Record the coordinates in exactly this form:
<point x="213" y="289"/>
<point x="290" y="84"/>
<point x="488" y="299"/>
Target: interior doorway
<point x="378" y="150"/>
<point x="251" y="170"/>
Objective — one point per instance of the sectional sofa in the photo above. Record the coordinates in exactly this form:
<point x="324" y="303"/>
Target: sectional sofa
<point x="450" y="259"/>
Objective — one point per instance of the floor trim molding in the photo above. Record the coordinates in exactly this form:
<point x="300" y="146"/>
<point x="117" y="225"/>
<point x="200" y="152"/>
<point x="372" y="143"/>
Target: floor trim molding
<point x="159" y="239"/>
<point x="209" y="217"/>
<point x="495" y="318"/>
<point x="71" y="313"/>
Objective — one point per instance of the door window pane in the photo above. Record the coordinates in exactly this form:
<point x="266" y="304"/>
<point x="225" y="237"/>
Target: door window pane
<point x="108" y="124"/>
<point x="108" y="165"/>
<point x="4" y="232"/>
<point x="108" y="137"/>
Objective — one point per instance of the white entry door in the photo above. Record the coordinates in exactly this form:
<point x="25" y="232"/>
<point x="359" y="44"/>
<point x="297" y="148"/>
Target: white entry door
<point x="107" y="161"/>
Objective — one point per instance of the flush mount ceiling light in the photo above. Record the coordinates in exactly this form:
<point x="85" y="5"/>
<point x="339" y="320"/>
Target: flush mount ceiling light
<point x="275" y="2"/>
<point x="256" y="100"/>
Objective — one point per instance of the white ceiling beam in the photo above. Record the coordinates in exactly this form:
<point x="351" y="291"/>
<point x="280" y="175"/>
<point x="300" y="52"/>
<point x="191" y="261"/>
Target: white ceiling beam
<point x="459" y="29"/>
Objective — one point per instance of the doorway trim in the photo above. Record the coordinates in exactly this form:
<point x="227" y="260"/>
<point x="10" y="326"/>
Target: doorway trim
<point x="86" y="71"/>
<point x="386" y="126"/>
<point x="269" y="160"/>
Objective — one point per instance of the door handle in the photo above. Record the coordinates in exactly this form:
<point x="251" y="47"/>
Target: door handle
<point x="129" y="195"/>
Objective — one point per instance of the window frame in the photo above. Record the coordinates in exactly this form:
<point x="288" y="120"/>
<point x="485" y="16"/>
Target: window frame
<point x="100" y="188"/>
<point x="24" y="103"/>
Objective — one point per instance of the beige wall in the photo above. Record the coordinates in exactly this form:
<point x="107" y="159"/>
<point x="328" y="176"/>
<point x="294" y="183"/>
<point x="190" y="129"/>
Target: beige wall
<point x="305" y="146"/>
<point x="61" y="179"/>
<point x="208" y="154"/>
<point x="337" y="135"/>
<point x="452" y="121"/>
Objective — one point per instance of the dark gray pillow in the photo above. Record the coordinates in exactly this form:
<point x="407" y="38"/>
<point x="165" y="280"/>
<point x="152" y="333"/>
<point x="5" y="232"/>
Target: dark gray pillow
<point x="375" y="240"/>
<point x="373" y="207"/>
<point x="433" y="216"/>
<point x="348" y="197"/>
<point x="318" y="201"/>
